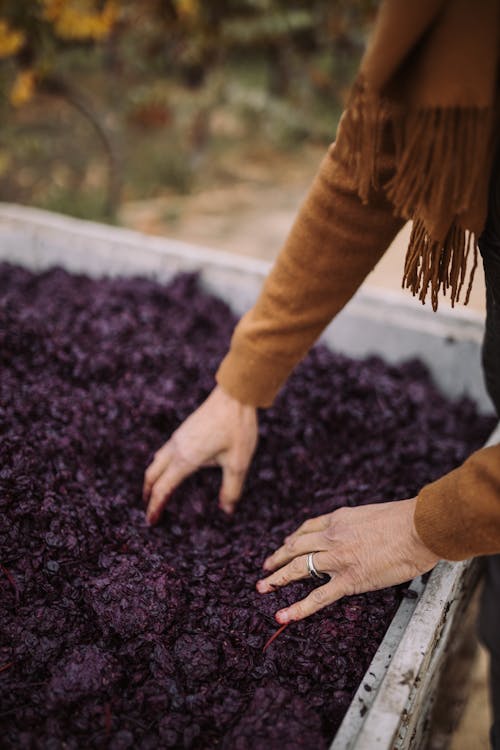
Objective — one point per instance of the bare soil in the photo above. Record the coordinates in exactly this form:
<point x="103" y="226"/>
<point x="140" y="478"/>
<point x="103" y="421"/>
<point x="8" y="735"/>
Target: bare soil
<point x="252" y="213"/>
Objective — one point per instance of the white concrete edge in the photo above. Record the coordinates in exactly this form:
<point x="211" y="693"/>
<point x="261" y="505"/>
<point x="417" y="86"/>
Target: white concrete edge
<point x="385" y="305"/>
<point x="494" y="438"/>
<point x="393" y="307"/>
<point x="35" y="220"/>
<point x="396" y="657"/>
<point x="396" y="665"/>
<point x="348" y="732"/>
<point x="425" y="632"/>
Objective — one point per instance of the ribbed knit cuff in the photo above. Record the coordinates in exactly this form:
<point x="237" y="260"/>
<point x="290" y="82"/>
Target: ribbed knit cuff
<point x="250" y="377"/>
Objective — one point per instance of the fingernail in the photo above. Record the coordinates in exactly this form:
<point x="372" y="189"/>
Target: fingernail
<point x="266" y="564"/>
<point x="282" y="616"/>
<point x="228" y="509"/>
<point x="261" y="586"/>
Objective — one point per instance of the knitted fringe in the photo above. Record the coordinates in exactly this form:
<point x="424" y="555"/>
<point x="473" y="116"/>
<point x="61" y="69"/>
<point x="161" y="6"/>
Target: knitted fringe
<point x="440" y="158"/>
<point x="440" y="265"/>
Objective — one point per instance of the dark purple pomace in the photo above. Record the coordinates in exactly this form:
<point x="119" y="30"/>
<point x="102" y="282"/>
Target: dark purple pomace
<point x="121" y="636"/>
<point x="85" y="671"/>
<point x="276" y="718"/>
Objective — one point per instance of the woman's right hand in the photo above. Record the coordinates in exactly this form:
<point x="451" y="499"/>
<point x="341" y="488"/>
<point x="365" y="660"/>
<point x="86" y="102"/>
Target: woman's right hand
<point x="221" y="432"/>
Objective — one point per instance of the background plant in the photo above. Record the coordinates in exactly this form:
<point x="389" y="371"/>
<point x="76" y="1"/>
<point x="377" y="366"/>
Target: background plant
<point x="153" y="81"/>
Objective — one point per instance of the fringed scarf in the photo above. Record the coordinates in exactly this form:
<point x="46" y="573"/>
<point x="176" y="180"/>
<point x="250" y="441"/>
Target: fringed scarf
<point x="430" y="75"/>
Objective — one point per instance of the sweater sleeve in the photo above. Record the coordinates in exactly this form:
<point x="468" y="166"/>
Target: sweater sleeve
<point x="333" y="244"/>
<point x="458" y="516"/>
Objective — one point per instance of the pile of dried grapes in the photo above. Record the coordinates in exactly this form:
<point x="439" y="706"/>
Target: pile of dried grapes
<point x="116" y="635"/>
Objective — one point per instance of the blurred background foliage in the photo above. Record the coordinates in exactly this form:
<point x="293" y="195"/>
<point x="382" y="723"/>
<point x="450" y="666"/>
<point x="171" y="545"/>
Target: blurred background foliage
<point x="105" y="101"/>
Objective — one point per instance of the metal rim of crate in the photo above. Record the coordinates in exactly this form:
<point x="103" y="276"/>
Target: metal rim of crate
<point x="384" y="713"/>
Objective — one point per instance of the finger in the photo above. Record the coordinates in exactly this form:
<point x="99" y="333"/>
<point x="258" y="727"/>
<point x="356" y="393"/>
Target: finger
<point x="319" y="523"/>
<point x="318" y="598"/>
<point x="231" y="488"/>
<point x="163" y="488"/>
<point x="294" y="571"/>
<point x="295" y="546"/>
<point x="209" y="463"/>
<point x="156" y="469"/>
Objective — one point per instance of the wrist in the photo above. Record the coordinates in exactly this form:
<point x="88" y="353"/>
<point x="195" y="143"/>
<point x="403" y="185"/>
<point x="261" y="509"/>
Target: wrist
<point x="221" y="394"/>
<point x="421" y="554"/>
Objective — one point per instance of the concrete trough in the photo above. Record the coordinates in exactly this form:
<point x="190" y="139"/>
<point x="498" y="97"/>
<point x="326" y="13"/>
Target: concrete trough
<point x="392" y="707"/>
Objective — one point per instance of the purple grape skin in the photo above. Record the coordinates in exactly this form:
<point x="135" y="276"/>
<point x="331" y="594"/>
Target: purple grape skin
<point x="123" y="636"/>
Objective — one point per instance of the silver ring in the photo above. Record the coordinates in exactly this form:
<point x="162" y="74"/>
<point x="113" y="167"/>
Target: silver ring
<point x="312" y="568"/>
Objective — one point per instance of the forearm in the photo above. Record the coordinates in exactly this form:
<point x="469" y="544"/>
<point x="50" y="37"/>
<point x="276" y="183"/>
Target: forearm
<point x="333" y="244"/>
<point x="458" y="516"/>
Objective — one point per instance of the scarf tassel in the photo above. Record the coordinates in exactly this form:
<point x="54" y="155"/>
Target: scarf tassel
<point x="441" y="158"/>
<point x="440" y="265"/>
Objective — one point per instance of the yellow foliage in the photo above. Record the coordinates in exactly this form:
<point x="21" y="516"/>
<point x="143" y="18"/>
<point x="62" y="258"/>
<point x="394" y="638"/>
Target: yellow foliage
<point x="23" y="88"/>
<point x="188" y="9"/>
<point x="5" y="161"/>
<point x="52" y="9"/>
<point x="80" y="19"/>
<point x="10" y="41"/>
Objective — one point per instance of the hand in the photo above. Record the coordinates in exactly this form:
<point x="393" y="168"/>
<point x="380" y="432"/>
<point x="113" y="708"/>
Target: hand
<point x="361" y="549"/>
<point x="221" y="432"/>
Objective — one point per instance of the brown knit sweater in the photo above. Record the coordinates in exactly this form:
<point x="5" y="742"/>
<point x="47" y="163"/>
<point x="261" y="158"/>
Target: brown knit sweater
<point x="334" y="243"/>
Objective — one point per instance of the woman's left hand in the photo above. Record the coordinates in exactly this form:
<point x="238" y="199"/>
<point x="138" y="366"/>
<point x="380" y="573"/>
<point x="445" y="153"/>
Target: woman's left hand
<point x="361" y="549"/>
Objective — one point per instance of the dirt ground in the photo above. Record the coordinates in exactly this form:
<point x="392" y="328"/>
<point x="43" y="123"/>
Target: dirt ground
<point x="473" y="727"/>
<point x="251" y="215"/>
